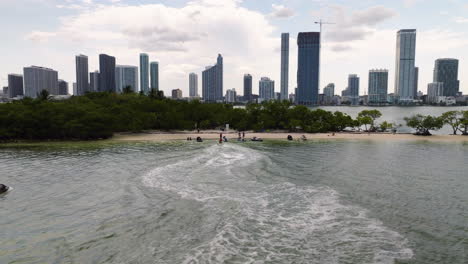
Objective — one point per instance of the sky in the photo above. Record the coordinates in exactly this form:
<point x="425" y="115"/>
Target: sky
<point x="186" y="36"/>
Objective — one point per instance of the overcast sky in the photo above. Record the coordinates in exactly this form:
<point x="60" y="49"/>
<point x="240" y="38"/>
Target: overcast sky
<point x="185" y="36"/>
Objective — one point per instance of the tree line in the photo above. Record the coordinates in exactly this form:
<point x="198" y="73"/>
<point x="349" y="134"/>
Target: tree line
<point x="457" y="120"/>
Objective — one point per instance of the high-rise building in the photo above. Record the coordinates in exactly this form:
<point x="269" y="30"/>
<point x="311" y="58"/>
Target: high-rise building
<point x="434" y="92"/>
<point x="212" y="79"/>
<point x="416" y="82"/>
<point x="94" y="81"/>
<point x="15" y="85"/>
<point x="82" y="80"/>
<point x="63" y="87"/>
<point x="378" y="86"/>
<point x="329" y="90"/>
<point x="5" y="92"/>
<point x="37" y="79"/>
<point x="126" y="76"/>
<point x="176" y="94"/>
<point x="446" y="72"/>
<point x="266" y="89"/>
<point x="308" y="68"/>
<point x="284" y="65"/>
<point x="231" y="95"/>
<point x="106" y="73"/>
<point x="193" y="85"/>
<point x="154" y="72"/>
<point x="144" y="73"/>
<point x="405" y="70"/>
<point x="353" y="89"/>
<point x="248" y="87"/>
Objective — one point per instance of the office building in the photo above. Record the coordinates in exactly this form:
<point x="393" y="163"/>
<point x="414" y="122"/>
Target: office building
<point x="82" y="80"/>
<point x="107" y="73"/>
<point x="176" y="94"/>
<point x="446" y="72"/>
<point x="62" y="87"/>
<point x="328" y="93"/>
<point x="416" y="81"/>
<point x="405" y="69"/>
<point x="308" y="68"/>
<point x="248" y="88"/>
<point x="353" y="89"/>
<point x="266" y="89"/>
<point x="94" y="81"/>
<point x="434" y="92"/>
<point x="284" y="66"/>
<point x="15" y="86"/>
<point x="212" y="81"/>
<point x="126" y="76"/>
<point x="193" y="85"/>
<point x="231" y="96"/>
<point x="37" y="79"/>
<point x="378" y="87"/>
<point x="154" y="72"/>
<point x="144" y="73"/>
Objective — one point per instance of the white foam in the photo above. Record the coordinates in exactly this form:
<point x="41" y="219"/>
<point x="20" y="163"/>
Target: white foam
<point x="278" y="222"/>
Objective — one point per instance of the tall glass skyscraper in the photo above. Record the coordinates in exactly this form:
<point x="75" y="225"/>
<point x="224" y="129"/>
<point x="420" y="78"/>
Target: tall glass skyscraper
<point x="308" y="68"/>
<point x="212" y="81"/>
<point x="193" y="85"/>
<point x="154" y="72"/>
<point x="82" y="81"/>
<point x="284" y="66"/>
<point x="405" y="70"/>
<point x="144" y="72"/>
<point x="353" y="88"/>
<point x="247" y="87"/>
<point x="266" y="89"/>
<point x="446" y="72"/>
<point x="126" y="76"/>
<point x="378" y="86"/>
<point x="107" y="73"/>
<point x="94" y="81"/>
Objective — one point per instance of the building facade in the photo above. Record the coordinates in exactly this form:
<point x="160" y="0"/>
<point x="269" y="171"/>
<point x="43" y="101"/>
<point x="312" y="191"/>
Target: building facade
<point x="176" y="94"/>
<point x="434" y="92"/>
<point x="353" y="89"/>
<point x="378" y="87"/>
<point x="126" y="76"/>
<point x="266" y="89"/>
<point x="284" y="66"/>
<point x="328" y="93"/>
<point x="248" y="88"/>
<point x="15" y="86"/>
<point x="144" y="73"/>
<point x="37" y="79"/>
<point x="62" y="87"/>
<point x="193" y="85"/>
<point x="94" y="81"/>
<point x="446" y="72"/>
<point x="405" y="69"/>
<point x="107" y="73"/>
<point x="231" y="96"/>
<point x="308" y="68"/>
<point x="154" y="72"/>
<point x="82" y="80"/>
<point x="212" y="82"/>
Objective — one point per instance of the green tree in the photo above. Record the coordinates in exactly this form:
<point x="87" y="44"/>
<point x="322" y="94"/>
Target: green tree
<point x="368" y="117"/>
<point x="463" y="123"/>
<point x="452" y="118"/>
<point x="43" y="95"/>
<point x="424" y="124"/>
<point x="127" y="89"/>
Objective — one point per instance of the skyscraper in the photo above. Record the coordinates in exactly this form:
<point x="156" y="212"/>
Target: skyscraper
<point x="63" y="87"/>
<point x="378" y="86"/>
<point x="193" y="85"/>
<point x="284" y="65"/>
<point x="15" y="85"/>
<point x="212" y="79"/>
<point x="106" y="73"/>
<point x="144" y="74"/>
<point x="329" y="90"/>
<point x="247" y="87"/>
<point x="94" y="81"/>
<point x="308" y="68"/>
<point x="231" y="95"/>
<point x="82" y="81"/>
<point x="266" y="89"/>
<point x="177" y="94"/>
<point x="405" y="70"/>
<point x="446" y="72"/>
<point x="126" y="76"/>
<point x="154" y="72"/>
<point x="416" y="81"/>
<point x="434" y="91"/>
<point x="353" y="89"/>
<point x="37" y="79"/>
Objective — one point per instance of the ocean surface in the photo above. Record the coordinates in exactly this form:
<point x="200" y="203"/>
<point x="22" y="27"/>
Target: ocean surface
<point x="272" y="202"/>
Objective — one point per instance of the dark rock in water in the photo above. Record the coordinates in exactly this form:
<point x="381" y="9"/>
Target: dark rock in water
<point x="3" y="188"/>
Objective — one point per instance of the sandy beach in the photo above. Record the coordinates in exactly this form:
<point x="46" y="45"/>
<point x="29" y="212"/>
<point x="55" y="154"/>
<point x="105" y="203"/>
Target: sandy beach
<point x="232" y="136"/>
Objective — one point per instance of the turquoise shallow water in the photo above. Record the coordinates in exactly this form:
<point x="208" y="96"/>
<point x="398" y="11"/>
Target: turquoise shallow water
<point x="318" y="202"/>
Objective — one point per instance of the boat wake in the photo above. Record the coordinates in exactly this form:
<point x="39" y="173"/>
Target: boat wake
<point x="275" y="222"/>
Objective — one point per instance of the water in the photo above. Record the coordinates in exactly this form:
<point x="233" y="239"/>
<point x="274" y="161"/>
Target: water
<point x="318" y="202"/>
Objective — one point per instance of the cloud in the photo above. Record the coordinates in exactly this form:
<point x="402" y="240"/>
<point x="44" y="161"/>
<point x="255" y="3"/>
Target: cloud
<point x="281" y="11"/>
<point x="39" y="36"/>
<point x="461" y="20"/>
<point x="372" y="16"/>
<point x="411" y="3"/>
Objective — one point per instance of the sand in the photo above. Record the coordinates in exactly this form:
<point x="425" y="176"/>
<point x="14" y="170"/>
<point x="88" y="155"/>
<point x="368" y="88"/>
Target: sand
<point x="157" y="136"/>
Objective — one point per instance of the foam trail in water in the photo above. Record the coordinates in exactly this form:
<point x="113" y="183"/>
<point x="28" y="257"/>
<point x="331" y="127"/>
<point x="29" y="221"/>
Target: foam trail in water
<point x="274" y="223"/>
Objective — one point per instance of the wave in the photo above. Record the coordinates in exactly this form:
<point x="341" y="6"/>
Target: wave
<point x="276" y="222"/>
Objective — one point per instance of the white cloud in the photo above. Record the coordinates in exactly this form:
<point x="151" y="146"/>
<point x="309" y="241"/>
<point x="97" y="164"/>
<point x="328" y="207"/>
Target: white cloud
<point x="461" y="20"/>
<point x="281" y="11"/>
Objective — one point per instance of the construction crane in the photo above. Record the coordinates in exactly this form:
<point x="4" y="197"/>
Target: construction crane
<point x="321" y="23"/>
